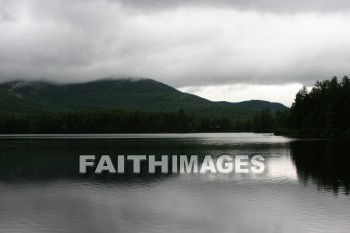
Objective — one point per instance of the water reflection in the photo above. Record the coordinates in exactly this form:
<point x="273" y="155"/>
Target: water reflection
<point x="324" y="162"/>
<point x="40" y="159"/>
<point x="42" y="191"/>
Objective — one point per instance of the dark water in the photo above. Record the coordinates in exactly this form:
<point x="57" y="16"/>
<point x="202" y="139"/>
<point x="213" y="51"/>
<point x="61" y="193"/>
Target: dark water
<point x="305" y="187"/>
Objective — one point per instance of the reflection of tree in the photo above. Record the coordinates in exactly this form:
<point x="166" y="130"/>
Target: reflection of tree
<point x="325" y="162"/>
<point x="45" y="160"/>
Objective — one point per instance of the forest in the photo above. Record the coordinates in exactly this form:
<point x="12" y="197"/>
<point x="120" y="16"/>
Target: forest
<point x="131" y="122"/>
<point x="322" y="112"/>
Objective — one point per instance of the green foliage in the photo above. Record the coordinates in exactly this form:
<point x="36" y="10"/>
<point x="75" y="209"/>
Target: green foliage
<point x="130" y="122"/>
<point x="257" y="105"/>
<point x="263" y="121"/>
<point x="322" y="112"/>
<point x="124" y="106"/>
<point x="34" y="98"/>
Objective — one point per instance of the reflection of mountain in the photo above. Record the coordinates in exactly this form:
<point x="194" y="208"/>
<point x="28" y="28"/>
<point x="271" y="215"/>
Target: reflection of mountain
<point x="45" y="160"/>
<point x="49" y="159"/>
<point x="325" y="162"/>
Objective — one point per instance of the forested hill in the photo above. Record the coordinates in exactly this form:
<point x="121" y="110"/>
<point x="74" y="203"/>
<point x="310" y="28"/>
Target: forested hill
<point x="37" y="97"/>
<point x="324" y="111"/>
<point x="256" y="105"/>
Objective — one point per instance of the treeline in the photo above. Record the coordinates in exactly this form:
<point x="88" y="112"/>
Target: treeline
<point x="133" y="122"/>
<point x="322" y="112"/>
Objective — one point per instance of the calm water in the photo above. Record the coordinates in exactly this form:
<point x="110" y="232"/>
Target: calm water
<point x="304" y="188"/>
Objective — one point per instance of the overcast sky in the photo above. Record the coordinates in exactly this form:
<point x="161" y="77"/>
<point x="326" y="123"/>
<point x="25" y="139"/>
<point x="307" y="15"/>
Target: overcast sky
<point x="219" y="49"/>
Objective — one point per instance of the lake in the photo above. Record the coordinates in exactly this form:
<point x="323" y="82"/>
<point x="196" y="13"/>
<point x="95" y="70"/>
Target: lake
<point x="305" y="186"/>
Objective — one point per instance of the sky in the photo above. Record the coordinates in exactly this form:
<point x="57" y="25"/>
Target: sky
<point x="221" y="50"/>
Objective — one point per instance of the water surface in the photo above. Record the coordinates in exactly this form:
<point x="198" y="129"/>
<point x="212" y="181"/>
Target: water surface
<point x="304" y="188"/>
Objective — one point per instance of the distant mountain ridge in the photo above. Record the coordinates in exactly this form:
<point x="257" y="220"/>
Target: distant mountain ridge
<point x="256" y="105"/>
<point x="37" y="97"/>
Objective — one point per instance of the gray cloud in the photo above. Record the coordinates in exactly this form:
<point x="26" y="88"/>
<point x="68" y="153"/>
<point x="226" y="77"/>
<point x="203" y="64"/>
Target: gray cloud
<point x="183" y="43"/>
<point x="254" y="5"/>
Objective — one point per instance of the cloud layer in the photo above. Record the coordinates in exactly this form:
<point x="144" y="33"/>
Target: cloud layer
<point x="275" y="6"/>
<point x="182" y="43"/>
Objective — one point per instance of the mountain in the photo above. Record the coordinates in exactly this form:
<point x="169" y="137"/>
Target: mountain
<point x="37" y="97"/>
<point x="256" y="105"/>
